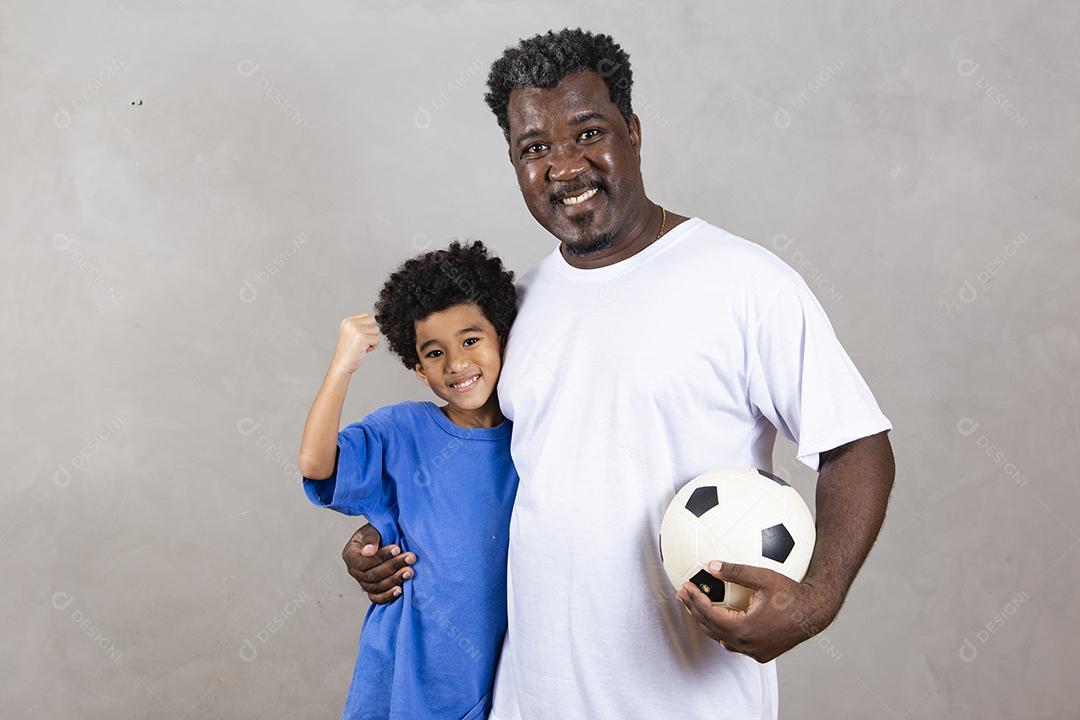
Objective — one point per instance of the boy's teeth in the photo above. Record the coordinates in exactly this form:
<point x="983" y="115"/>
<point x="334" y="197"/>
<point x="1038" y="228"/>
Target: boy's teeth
<point x="579" y="198"/>
<point x="466" y="383"/>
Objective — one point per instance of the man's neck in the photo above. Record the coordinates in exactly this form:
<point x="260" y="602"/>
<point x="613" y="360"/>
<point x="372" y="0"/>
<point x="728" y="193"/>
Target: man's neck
<point x="638" y="236"/>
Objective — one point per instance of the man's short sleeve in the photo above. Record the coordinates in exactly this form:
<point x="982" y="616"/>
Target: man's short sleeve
<point x="803" y="381"/>
<point x="358" y="486"/>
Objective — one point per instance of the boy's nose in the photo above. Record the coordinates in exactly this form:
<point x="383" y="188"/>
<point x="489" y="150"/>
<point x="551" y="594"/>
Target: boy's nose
<point x="458" y="364"/>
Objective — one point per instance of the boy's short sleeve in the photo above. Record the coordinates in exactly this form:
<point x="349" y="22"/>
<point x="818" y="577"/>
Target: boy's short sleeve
<point x="358" y="486"/>
<point x="803" y="381"/>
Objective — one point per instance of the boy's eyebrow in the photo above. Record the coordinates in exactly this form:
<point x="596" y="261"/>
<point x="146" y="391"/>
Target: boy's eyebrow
<point x="462" y="331"/>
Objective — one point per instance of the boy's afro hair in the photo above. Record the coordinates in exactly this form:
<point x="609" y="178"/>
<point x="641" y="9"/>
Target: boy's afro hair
<point x="543" y="60"/>
<point x="440" y="279"/>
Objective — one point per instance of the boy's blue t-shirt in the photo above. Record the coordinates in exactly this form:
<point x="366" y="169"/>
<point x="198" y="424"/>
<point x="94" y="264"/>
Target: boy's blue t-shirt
<point x="445" y="493"/>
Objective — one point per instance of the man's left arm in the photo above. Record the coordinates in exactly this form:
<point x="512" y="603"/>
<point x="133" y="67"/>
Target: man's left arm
<point x="854" y="482"/>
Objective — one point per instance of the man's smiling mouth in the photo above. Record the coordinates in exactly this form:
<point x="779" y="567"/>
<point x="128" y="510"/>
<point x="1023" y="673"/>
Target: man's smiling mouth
<point x="580" y="198"/>
<point x="577" y="197"/>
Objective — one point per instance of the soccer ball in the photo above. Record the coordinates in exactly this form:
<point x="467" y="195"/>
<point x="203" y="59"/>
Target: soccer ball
<point x="739" y="515"/>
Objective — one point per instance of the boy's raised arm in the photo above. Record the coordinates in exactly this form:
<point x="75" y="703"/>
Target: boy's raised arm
<point x="357" y="336"/>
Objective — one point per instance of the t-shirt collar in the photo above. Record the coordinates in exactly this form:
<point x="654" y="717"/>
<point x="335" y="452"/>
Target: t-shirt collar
<point x="667" y="240"/>
<point x="496" y="433"/>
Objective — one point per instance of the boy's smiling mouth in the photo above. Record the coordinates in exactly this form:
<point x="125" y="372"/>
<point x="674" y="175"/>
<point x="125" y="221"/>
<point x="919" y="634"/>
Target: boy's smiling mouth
<point x="466" y="384"/>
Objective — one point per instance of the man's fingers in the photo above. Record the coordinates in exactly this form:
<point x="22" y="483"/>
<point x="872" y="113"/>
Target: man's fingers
<point x="368" y="571"/>
<point x="692" y="604"/>
<point x="385" y="597"/>
<point x="395" y="580"/>
<point x="721" y="617"/>
<point x="380" y="571"/>
<point x="383" y="554"/>
<point x="356" y="559"/>
<point x="698" y="613"/>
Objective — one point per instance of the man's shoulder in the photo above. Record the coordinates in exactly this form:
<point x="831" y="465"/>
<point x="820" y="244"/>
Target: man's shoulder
<point x="715" y="250"/>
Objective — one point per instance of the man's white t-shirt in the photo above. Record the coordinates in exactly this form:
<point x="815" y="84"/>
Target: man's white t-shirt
<point x="623" y="383"/>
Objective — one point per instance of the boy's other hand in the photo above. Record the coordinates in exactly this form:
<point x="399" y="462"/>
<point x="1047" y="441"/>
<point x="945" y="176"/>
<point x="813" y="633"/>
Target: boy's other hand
<point x="380" y="571"/>
<point x="357" y="336"/>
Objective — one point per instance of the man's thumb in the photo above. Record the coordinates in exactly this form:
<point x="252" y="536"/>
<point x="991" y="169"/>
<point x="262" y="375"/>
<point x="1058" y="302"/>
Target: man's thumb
<point x="745" y="575"/>
<point x="369" y="540"/>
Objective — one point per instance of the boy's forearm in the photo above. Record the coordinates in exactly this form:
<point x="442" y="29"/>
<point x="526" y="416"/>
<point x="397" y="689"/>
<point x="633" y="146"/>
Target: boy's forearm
<point x="318" y="447"/>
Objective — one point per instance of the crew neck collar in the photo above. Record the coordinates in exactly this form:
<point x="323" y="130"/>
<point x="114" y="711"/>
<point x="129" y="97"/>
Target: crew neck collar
<point x="667" y="240"/>
<point x="495" y="433"/>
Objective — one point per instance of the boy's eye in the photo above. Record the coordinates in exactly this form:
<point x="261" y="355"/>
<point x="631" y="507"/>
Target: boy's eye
<point x="471" y="341"/>
<point x="433" y="354"/>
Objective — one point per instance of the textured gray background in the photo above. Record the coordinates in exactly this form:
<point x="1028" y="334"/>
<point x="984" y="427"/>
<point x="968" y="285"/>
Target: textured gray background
<point x="193" y="196"/>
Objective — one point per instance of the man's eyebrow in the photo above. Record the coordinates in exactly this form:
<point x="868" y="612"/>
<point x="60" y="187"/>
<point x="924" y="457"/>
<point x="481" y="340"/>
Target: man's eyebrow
<point x="586" y="116"/>
<point x="462" y="331"/>
<point x="527" y="135"/>
<point x="582" y="117"/>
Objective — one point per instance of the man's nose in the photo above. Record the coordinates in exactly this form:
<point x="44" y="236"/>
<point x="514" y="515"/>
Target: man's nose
<point x="566" y="165"/>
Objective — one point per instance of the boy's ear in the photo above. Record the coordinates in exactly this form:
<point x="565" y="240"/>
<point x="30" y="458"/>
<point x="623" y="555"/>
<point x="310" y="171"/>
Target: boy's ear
<point x="419" y="370"/>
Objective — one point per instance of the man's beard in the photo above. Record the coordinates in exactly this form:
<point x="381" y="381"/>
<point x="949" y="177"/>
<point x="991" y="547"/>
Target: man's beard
<point x="601" y="241"/>
<point x="590" y="245"/>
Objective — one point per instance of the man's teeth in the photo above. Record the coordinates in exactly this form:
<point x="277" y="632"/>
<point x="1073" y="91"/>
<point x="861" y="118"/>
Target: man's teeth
<point x="466" y="383"/>
<point x="579" y="198"/>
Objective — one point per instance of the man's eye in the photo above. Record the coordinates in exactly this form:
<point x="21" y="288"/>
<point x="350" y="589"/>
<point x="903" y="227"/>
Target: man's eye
<point x="589" y="134"/>
<point x="534" y="148"/>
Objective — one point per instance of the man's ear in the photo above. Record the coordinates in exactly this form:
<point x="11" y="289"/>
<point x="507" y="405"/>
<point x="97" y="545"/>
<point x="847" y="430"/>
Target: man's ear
<point x="419" y="370"/>
<point x="634" y="128"/>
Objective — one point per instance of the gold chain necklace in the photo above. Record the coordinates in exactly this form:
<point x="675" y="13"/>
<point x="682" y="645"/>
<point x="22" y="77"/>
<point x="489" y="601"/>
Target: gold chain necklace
<point x="663" y="220"/>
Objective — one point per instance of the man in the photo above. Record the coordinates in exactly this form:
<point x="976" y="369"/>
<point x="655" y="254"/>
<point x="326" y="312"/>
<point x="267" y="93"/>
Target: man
<point x="648" y="348"/>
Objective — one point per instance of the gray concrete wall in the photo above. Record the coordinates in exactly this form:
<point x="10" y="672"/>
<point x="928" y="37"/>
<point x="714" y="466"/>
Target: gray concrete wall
<point x="194" y="194"/>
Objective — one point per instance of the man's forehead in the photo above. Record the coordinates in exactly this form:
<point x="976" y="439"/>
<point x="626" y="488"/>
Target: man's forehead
<point x="575" y="94"/>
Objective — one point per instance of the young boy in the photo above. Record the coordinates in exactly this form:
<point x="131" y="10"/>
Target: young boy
<point x="437" y="481"/>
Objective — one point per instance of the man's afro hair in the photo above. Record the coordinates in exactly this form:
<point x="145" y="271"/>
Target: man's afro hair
<point x="440" y="279"/>
<point x="543" y="60"/>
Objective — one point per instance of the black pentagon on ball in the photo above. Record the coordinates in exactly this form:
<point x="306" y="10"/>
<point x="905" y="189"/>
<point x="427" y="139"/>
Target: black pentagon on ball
<point x="711" y="586"/>
<point x="774" y="478"/>
<point x="776" y="543"/>
<point x="702" y="500"/>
